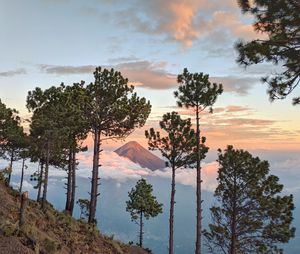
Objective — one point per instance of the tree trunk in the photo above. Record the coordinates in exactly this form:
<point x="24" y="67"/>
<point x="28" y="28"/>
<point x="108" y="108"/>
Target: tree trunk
<point x="73" y="175"/>
<point x="171" y="219"/>
<point x="44" y="199"/>
<point x="69" y="182"/>
<point x="10" y="167"/>
<point x="94" y="181"/>
<point x="233" y="222"/>
<point x="40" y="182"/>
<point x="22" y="175"/>
<point x="198" y="188"/>
<point x="141" y="229"/>
<point x="24" y="201"/>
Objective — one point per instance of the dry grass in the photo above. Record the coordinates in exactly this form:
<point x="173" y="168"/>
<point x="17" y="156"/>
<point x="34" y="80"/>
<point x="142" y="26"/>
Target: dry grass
<point x="50" y="231"/>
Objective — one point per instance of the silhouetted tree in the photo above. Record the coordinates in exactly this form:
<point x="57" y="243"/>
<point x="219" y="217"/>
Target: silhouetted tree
<point x="142" y="204"/>
<point x="12" y="137"/>
<point x="197" y="92"/>
<point x="47" y="131"/>
<point x="74" y="97"/>
<point x="279" y="21"/>
<point x="251" y="215"/>
<point x="114" y="111"/>
<point x="68" y="125"/>
<point x="6" y="114"/>
<point x="43" y="129"/>
<point x="178" y="147"/>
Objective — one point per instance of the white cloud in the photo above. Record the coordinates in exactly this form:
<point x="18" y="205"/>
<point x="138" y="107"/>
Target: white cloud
<point x="26" y="185"/>
<point x="187" y="176"/>
<point x="122" y="169"/>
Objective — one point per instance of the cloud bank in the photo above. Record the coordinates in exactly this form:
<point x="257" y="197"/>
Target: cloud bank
<point x="153" y="75"/>
<point x="183" y="21"/>
<point x="121" y="169"/>
<point x="12" y="73"/>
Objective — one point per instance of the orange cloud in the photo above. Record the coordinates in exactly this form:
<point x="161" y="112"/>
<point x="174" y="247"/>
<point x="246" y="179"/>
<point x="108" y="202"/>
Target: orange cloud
<point x="235" y="108"/>
<point x="186" y="21"/>
<point x="229" y="109"/>
<point x="181" y="25"/>
<point x="231" y="21"/>
<point x="148" y="74"/>
<point x="233" y="124"/>
<point x="238" y="126"/>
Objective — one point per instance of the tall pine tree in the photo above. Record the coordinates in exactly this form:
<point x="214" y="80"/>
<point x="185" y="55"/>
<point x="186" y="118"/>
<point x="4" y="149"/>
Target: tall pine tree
<point x="113" y="111"/>
<point x="197" y="92"/>
<point x="178" y="147"/>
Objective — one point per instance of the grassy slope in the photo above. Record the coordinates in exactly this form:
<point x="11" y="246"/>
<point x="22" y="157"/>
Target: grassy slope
<point x="50" y="231"/>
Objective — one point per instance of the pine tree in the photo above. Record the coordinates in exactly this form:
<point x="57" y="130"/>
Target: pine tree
<point x="76" y="129"/>
<point x="178" y="147"/>
<point x="114" y="111"/>
<point x="47" y="132"/>
<point x="12" y="137"/>
<point x="251" y="216"/>
<point x="65" y="119"/>
<point x="279" y="21"/>
<point x="142" y="204"/>
<point x="197" y="92"/>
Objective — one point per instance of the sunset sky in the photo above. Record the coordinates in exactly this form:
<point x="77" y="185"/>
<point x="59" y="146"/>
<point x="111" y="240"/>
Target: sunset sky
<point x="46" y="42"/>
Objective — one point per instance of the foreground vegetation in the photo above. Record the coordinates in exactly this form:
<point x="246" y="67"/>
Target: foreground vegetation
<point x="50" y="231"/>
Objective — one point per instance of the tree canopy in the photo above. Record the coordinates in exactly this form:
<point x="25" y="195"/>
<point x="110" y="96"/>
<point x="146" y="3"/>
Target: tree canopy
<point x="57" y="126"/>
<point x="142" y="204"/>
<point x="251" y="215"/>
<point x="179" y="144"/>
<point x="179" y="147"/>
<point x="196" y="91"/>
<point x="13" y="140"/>
<point x="279" y="22"/>
<point x="113" y="111"/>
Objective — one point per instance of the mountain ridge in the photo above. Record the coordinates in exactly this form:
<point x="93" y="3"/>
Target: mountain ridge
<point x="133" y="151"/>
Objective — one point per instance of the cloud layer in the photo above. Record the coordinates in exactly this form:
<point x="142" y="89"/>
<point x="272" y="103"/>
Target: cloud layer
<point x="11" y="73"/>
<point x="240" y="126"/>
<point x="122" y="169"/>
<point x="184" y="21"/>
<point x="153" y="75"/>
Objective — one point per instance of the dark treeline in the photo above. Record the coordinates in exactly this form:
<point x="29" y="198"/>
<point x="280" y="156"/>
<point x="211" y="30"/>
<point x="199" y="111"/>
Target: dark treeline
<point x="62" y="117"/>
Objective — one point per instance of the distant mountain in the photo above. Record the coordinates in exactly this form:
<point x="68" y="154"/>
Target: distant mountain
<point x="138" y="154"/>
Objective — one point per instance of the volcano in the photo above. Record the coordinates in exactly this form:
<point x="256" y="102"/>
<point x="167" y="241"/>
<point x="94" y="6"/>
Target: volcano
<point x="138" y="154"/>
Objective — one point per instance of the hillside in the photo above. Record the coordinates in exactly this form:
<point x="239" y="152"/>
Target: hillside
<point x="138" y="154"/>
<point x="50" y="231"/>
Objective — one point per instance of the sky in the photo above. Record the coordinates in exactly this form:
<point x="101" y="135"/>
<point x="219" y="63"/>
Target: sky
<point x="46" y="42"/>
